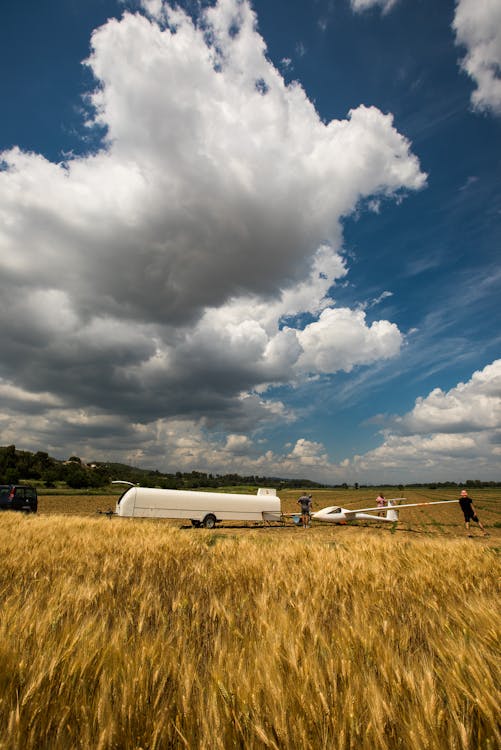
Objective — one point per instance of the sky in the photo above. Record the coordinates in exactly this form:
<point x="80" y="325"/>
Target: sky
<point x="253" y="237"/>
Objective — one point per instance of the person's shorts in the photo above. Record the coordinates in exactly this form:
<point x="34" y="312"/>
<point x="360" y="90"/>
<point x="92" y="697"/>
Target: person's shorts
<point x="469" y="515"/>
<point x="305" y="511"/>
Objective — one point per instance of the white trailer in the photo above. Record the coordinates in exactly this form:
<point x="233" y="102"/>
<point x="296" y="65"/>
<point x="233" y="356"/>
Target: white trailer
<point x="201" y="508"/>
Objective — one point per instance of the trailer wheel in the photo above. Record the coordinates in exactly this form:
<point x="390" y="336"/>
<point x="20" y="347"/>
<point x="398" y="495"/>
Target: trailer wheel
<point x="209" y="521"/>
<point x="194" y="523"/>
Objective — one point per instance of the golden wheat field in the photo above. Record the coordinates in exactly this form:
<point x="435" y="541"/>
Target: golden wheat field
<point x="438" y="520"/>
<point x="141" y="634"/>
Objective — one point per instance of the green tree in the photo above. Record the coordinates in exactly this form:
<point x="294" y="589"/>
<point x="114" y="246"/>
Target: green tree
<point x="11" y="476"/>
<point x="76" y="477"/>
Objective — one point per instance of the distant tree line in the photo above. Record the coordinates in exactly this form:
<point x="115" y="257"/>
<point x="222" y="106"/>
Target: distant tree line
<point x="39" y="467"/>
<point x="43" y="470"/>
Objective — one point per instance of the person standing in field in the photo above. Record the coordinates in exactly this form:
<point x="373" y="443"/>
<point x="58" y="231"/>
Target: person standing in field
<point x="305" y="502"/>
<point x="469" y="512"/>
<point x="381" y="502"/>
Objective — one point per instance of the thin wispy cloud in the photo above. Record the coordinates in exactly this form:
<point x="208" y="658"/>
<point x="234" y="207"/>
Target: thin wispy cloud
<point x="363" y="5"/>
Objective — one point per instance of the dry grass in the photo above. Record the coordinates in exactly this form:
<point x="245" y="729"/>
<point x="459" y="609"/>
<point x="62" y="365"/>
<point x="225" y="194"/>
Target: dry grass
<point x="129" y="634"/>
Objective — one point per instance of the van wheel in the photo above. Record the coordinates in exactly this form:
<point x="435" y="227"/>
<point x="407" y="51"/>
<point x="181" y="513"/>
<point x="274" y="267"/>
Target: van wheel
<point x="209" y="521"/>
<point x="194" y="523"/>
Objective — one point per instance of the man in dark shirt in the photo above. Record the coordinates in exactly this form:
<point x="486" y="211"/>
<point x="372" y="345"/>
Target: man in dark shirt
<point x="469" y="512"/>
<point x="305" y="503"/>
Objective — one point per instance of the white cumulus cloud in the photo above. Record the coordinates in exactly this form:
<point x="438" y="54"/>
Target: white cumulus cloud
<point x="477" y="24"/>
<point x="468" y="407"/>
<point x="341" y="338"/>
<point x="448" y="435"/>
<point x="189" y="262"/>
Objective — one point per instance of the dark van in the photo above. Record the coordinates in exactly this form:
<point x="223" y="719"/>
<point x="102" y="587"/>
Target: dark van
<point x="18" y="497"/>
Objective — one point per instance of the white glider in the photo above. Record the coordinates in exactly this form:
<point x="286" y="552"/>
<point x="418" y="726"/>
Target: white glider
<point x="334" y="514"/>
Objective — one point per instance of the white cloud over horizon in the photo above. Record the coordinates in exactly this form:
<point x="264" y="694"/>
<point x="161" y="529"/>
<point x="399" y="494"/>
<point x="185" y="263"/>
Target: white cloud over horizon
<point x="190" y="262"/>
<point x="451" y="435"/>
<point x="448" y="436"/>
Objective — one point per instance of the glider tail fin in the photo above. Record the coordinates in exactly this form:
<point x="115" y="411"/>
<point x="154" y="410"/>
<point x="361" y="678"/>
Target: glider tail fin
<point x="391" y="513"/>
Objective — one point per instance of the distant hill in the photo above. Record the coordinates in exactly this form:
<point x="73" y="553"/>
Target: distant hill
<point x="44" y="470"/>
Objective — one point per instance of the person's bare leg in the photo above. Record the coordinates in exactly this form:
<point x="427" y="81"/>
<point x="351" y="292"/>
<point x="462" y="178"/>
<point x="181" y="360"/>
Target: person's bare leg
<point x="483" y="528"/>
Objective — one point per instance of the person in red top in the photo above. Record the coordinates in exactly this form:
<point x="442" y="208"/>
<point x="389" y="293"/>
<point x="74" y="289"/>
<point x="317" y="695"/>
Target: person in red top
<point x="381" y="502"/>
<point x="469" y="512"/>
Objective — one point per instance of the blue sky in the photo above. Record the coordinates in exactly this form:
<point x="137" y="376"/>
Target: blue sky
<point x="253" y="237"/>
